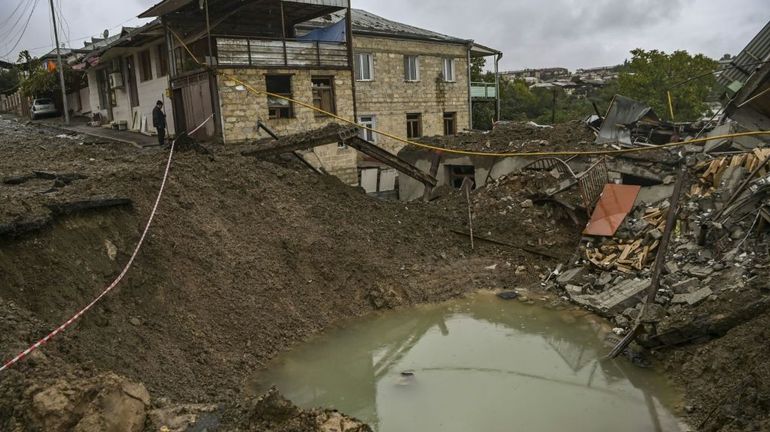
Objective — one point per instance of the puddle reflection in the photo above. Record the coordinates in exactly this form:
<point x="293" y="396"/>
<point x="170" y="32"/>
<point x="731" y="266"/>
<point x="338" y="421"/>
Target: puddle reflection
<point x="474" y="364"/>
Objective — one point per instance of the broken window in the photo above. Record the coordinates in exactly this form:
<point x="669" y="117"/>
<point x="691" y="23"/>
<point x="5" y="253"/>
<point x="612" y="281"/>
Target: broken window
<point x="449" y="70"/>
<point x="450" y="123"/>
<point x="281" y="86"/>
<point x="414" y="125"/>
<point x="411" y="68"/>
<point x="364" y="65"/>
<point x="162" y="69"/>
<point x="458" y="173"/>
<point x="145" y="66"/>
<point x="323" y="95"/>
<point x="370" y="122"/>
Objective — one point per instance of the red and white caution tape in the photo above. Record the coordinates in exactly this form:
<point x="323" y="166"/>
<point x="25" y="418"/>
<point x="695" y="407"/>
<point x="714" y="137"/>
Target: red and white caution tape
<point x="122" y="274"/>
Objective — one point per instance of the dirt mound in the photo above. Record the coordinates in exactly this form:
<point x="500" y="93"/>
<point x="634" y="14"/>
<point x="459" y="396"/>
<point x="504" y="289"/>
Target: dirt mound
<point x="520" y="136"/>
<point x="245" y="258"/>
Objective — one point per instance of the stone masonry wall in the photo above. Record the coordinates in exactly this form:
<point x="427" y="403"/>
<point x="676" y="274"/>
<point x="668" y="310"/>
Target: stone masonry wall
<point x="389" y="97"/>
<point x="241" y="109"/>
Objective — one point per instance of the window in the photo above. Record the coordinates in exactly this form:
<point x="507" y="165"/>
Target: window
<point x="458" y="173"/>
<point x="145" y="66"/>
<point x="413" y="125"/>
<point x="449" y="69"/>
<point x="277" y="107"/>
<point x="450" y="123"/>
<point x="411" y="68"/>
<point x="323" y="94"/>
<point x="364" y="64"/>
<point x="162" y="69"/>
<point x="370" y="122"/>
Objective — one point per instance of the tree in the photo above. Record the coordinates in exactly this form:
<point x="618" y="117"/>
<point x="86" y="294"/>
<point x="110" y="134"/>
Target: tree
<point x="651" y="74"/>
<point x="477" y="68"/>
<point x="9" y="81"/>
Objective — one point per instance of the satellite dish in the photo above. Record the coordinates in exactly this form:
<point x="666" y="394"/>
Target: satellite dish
<point x="106" y="33"/>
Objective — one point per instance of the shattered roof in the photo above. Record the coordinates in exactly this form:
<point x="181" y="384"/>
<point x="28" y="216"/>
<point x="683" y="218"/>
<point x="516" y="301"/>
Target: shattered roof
<point x="745" y="63"/>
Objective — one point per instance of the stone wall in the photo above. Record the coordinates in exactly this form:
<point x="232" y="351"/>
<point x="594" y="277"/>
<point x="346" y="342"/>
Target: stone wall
<point x="389" y="97"/>
<point x="241" y="109"/>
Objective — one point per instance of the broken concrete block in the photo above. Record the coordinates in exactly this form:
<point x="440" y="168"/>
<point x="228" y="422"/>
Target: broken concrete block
<point x="574" y="290"/>
<point x="631" y="313"/>
<point x="621" y="321"/>
<point x="686" y="286"/>
<point x="604" y="279"/>
<point x="570" y="276"/>
<point x="671" y="267"/>
<point x="654" y="313"/>
<point x="731" y="179"/>
<point x="615" y="299"/>
<point x="655" y="234"/>
<point x="698" y="271"/>
<point x="692" y="298"/>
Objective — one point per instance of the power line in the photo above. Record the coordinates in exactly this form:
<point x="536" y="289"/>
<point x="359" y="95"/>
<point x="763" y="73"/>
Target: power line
<point x="69" y="41"/>
<point x="5" y="21"/>
<point x="24" y="30"/>
<point x="8" y="34"/>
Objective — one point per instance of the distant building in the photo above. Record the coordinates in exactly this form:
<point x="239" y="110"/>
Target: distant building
<point x="537" y="75"/>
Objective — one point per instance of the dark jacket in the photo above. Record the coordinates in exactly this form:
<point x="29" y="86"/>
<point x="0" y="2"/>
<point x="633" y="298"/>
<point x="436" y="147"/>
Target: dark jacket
<point x="158" y="118"/>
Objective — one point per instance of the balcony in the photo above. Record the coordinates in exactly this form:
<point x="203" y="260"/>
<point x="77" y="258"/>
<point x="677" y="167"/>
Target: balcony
<point x="278" y="53"/>
<point x="482" y="90"/>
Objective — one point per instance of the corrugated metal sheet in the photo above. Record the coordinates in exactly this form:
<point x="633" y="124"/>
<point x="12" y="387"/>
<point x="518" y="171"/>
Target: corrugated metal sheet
<point x="758" y="50"/>
<point x="622" y="114"/>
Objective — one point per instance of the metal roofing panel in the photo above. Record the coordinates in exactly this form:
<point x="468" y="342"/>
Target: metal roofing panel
<point x="758" y="50"/>
<point x="615" y="202"/>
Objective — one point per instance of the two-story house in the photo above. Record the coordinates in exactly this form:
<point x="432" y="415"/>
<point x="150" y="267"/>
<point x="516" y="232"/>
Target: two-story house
<point x="400" y="79"/>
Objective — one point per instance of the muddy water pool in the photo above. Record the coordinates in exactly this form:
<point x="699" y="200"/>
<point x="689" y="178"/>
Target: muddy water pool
<point x="476" y="364"/>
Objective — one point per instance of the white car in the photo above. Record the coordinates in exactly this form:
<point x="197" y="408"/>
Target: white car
<point x="42" y="107"/>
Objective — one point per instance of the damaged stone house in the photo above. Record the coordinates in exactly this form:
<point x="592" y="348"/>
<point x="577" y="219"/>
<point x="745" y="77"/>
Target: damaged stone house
<point x="403" y="80"/>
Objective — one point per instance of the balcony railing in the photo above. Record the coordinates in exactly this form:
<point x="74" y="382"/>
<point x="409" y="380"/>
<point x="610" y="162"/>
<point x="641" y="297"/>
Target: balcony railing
<point x="483" y="90"/>
<point x="260" y="52"/>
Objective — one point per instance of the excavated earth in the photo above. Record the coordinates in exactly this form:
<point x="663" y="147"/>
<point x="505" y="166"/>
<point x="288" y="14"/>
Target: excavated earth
<point x="246" y="258"/>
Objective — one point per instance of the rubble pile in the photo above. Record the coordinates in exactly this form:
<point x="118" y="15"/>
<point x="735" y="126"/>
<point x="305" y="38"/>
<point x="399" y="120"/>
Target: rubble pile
<point x="716" y="248"/>
<point x="541" y="221"/>
<point x="519" y="136"/>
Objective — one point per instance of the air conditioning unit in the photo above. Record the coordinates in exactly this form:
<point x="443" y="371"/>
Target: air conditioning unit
<point x="116" y="80"/>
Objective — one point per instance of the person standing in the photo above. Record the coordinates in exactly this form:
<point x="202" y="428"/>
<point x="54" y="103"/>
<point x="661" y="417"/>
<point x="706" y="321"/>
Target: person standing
<point x="159" y="122"/>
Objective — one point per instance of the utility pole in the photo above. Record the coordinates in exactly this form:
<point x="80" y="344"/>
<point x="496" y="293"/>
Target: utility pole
<point x="61" y="67"/>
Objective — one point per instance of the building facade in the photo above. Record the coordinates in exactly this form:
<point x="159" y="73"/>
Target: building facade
<point x="401" y="80"/>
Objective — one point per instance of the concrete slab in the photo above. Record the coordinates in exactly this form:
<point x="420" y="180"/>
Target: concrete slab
<point x="692" y="298"/>
<point x="616" y="299"/>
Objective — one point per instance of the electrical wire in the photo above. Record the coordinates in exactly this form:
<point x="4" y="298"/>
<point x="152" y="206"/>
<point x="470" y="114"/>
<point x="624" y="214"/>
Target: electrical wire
<point x="69" y="41"/>
<point x="9" y="33"/>
<point x="16" y="9"/>
<point x="23" y="30"/>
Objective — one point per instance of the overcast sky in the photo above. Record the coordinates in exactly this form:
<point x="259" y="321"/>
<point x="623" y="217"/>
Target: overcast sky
<point x="531" y="33"/>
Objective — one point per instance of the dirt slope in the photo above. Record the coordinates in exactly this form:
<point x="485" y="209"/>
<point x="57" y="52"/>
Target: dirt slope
<point x="245" y="258"/>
